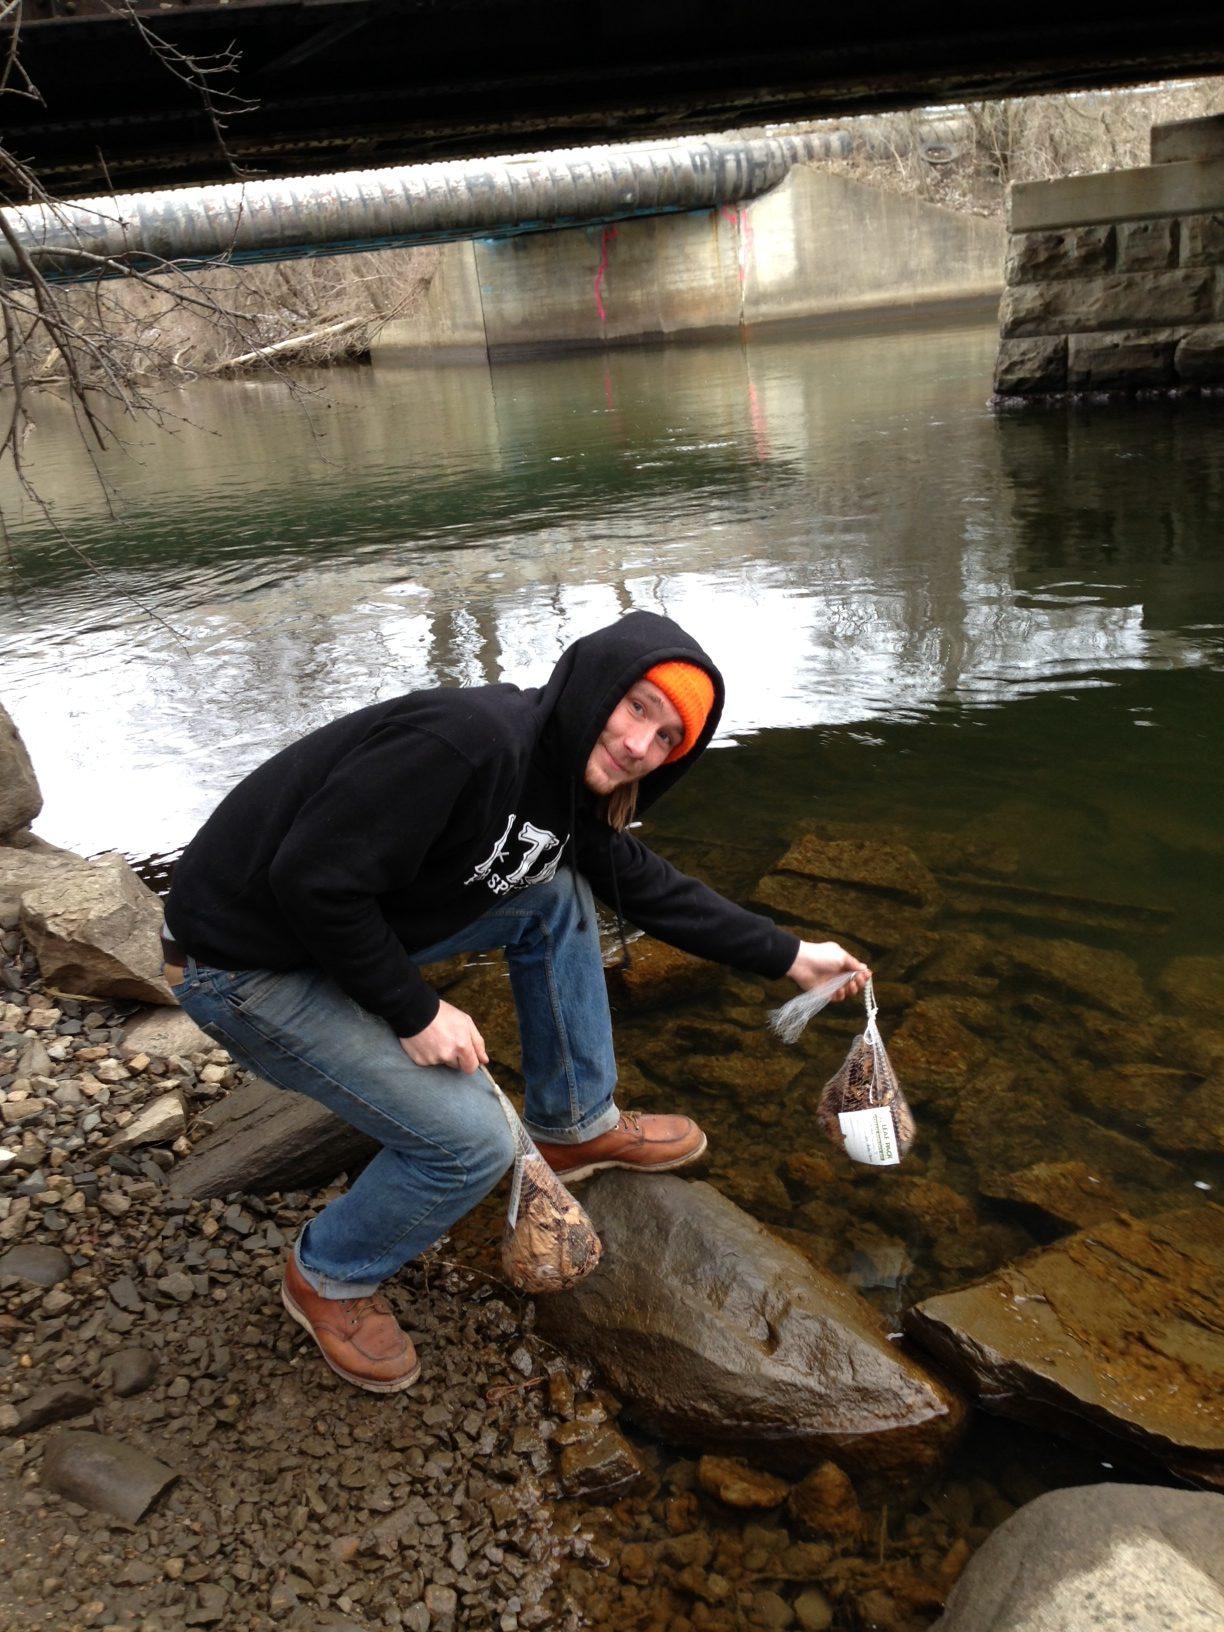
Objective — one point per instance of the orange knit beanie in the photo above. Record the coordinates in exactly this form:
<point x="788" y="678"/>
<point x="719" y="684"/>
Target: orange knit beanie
<point x="691" y="692"/>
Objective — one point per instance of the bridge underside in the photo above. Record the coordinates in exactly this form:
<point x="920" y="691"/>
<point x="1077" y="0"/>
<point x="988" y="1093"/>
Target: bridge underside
<point x="341" y="84"/>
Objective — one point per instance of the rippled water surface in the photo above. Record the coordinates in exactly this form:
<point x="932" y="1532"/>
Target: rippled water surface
<point x="997" y="642"/>
<point x="926" y="614"/>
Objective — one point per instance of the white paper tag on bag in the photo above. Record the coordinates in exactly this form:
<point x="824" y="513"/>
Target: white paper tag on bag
<point x="870" y="1136"/>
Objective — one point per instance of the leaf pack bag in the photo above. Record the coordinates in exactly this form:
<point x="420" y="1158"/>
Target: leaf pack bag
<point x="861" y="1107"/>
<point x="548" y="1243"/>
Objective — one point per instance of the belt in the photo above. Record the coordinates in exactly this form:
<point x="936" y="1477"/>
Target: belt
<point x="173" y="956"/>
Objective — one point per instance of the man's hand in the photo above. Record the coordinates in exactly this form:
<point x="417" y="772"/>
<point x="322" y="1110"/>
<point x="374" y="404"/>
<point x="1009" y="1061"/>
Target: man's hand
<point x="818" y="960"/>
<point x="450" y="1038"/>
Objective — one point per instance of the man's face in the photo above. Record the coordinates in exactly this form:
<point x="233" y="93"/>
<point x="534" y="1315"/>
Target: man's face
<point x="643" y="729"/>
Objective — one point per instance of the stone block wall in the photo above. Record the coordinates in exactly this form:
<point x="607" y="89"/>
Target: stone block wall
<point x="1129" y="304"/>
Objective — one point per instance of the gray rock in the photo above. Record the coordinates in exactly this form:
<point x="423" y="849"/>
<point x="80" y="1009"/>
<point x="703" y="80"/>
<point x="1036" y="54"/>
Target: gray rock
<point x="162" y="1032"/>
<point x="1125" y="360"/>
<point x="54" y="1404"/>
<point x="266" y="1139"/>
<point x="1071" y="252"/>
<point x="1200" y="357"/>
<point x="1036" y="364"/>
<point x="717" y="1334"/>
<point x="132" y="1370"/>
<point x="159" y="1123"/>
<point x="1203" y="239"/>
<point x="104" y="1474"/>
<point x="1080" y="305"/>
<point x="1146" y="246"/>
<point x="93" y="926"/>
<point x="210" y="1606"/>
<point x="177" y="1285"/>
<point x="123" y="1291"/>
<point x="20" y="799"/>
<point x="38" y="1264"/>
<point x="34" y="1061"/>
<point x="1097" y="1559"/>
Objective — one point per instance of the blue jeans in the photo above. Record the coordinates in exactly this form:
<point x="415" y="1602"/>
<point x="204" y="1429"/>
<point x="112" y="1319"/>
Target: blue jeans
<point x="444" y="1135"/>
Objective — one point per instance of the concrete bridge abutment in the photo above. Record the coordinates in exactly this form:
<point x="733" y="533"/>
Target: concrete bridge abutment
<point x="1115" y="282"/>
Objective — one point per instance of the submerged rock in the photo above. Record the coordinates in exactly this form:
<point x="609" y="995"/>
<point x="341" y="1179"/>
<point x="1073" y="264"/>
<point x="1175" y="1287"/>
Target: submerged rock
<point x="1195" y="985"/>
<point x="1111" y="1336"/>
<point x="717" y="1334"/>
<point x="824" y="1504"/>
<point x="1096" y="1559"/>
<point x="1008" y="1123"/>
<point x="875" y="894"/>
<point x="935" y="1057"/>
<point x="737" y="1485"/>
<point x="1063" y="1192"/>
<point x="657" y="974"/>
<point x="1081" y="973"/>
<point x="890" y="870"/>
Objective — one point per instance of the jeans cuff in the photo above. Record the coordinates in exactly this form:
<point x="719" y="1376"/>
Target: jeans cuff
<point x="326" y="1285"/>
<point x="601" y="1121"/>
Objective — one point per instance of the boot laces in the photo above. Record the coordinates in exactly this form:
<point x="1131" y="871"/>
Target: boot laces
<point x="632" y="1120"/>
<point x="373" y="1304"/>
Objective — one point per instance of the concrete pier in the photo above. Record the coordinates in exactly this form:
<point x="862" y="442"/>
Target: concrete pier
<point x="820" y="248"/>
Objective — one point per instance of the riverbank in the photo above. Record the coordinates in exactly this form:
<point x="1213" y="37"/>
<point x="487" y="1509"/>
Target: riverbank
<point x="290" y="1496"/>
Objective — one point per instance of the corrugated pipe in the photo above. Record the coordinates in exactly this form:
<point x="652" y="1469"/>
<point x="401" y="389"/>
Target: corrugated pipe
<point x="380" y="209"/>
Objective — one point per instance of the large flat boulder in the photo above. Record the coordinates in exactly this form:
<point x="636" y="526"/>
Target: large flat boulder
<point x="20" y="798"/>
<point x="93" y="925"/>
<point x="262" y="1138"/>
<point x="1098" y="1559"/>
<point x="1112" y="1337"/>
<point x="718" y="1335"/>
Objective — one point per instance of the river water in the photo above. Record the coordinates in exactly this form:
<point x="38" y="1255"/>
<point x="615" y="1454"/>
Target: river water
<point x="997" y="640"/>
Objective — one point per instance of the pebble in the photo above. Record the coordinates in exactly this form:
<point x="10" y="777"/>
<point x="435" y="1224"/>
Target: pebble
<point x="131" y="1371"/>
<point x="37" y="1263"/>
<point x="813" y="1611"/>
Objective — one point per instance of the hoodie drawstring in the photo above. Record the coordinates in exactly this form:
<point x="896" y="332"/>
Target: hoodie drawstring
<point x="573" y="855"/>
<point x="620" y="917"/>
<point x="626" y="960"/>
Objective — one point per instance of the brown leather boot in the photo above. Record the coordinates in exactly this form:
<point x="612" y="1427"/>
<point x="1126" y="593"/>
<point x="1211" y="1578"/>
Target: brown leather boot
<point x="358" y="1337"/>
<point x="640" y="1142"/>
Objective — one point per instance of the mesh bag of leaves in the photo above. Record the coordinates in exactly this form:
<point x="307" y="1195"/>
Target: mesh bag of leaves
<point x="548" y="1243"/>
<point x="861" y="1107"/>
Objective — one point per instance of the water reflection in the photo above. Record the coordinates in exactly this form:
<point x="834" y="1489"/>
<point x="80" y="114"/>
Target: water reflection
<point x="848" y="529"/>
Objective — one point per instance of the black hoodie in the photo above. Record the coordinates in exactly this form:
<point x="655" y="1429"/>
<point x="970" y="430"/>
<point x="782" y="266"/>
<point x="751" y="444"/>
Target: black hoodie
<point x="392" y="828"/>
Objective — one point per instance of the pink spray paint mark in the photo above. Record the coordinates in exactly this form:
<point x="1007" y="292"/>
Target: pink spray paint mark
<point x="759" y="424"/>
<point x="739" y="220"/>
<point x="609" y="233"/>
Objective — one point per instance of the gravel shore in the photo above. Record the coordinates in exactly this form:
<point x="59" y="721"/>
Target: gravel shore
<point x="499" y="1492"/>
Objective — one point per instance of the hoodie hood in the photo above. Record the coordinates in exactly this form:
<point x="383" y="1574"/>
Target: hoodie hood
<point x="596" y="672"/>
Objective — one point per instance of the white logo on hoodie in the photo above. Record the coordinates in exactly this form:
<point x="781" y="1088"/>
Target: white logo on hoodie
<point x="538" y="844"/>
